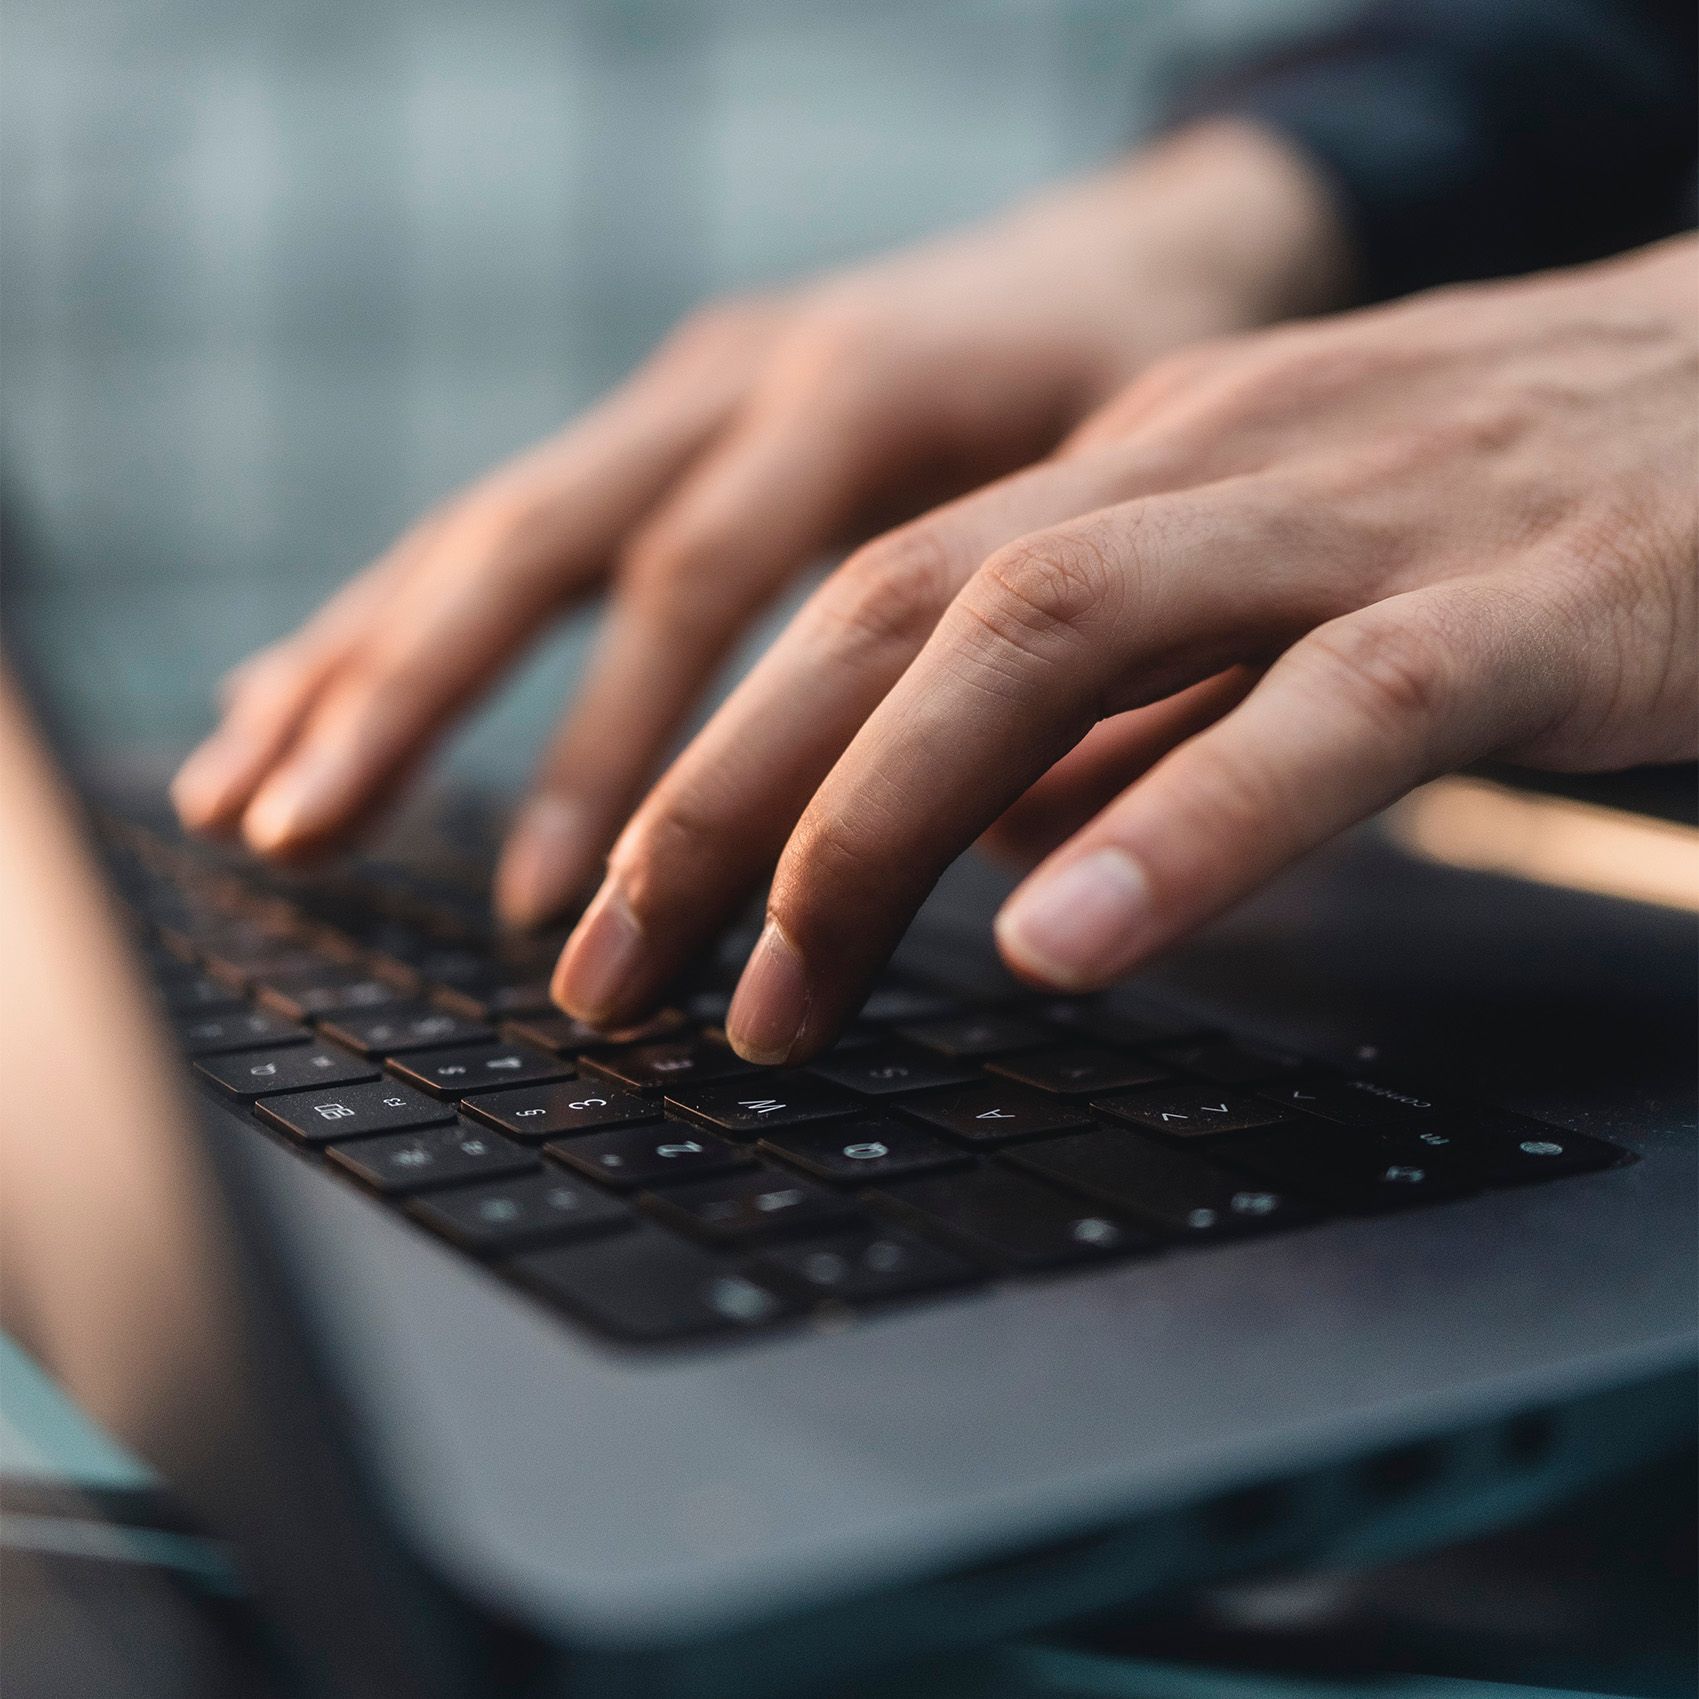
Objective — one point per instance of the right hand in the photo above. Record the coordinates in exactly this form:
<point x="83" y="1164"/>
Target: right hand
<point x="764" y="432"/>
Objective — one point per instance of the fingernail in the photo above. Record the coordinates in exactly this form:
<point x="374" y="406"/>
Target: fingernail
<point x="544" y="863"/>
<point x="1074" y="928"/>
<point x="205" y="779"/>
<point x="293" y="804"/>
<point x="599" y="959"/>
<point x="770" y="1008"/>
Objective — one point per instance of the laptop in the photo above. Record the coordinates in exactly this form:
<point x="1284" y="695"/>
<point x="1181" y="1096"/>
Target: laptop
<point x="510" y="1356"/>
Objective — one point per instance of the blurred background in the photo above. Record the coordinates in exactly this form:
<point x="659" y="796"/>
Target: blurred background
<point x="275" y="278"/>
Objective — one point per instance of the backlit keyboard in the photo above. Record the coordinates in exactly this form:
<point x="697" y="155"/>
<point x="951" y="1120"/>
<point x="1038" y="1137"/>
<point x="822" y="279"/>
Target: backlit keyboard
<point x="654" y="1188"/>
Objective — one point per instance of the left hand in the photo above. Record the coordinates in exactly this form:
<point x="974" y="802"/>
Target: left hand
<point x="1276" y="583"/>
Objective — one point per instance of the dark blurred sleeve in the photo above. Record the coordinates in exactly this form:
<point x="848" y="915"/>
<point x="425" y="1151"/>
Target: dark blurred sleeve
<point x="1475" y="138"/>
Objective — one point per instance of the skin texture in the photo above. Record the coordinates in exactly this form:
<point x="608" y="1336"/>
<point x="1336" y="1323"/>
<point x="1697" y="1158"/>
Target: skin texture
<point x="763" y="433"/>
<point x="1272" y="585"/>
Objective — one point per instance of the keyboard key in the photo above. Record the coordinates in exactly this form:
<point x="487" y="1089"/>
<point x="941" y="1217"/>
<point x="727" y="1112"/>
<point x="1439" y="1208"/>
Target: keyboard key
<point x="497" y="999"/>
<point x="1010" y="1221"/>
<point x="507" y="1215"/>
<point x="1343" y="1168"/>
<point x="561" y="1033"/>
<point x="1183" y="1111"/>
<point x="194" y="995"/>
<point x="246" y="968"/>
<point x="1091" y="1017"/>
<point x="887" y="1004"/>
<point x="992" y="1032"/>
<point x="402" y="1027"/>
<point x="667" y="1065"/>
<point x="1225" y="1062"/>
<point x="865" y="1266"/>
<point x="650" y="1285"/>
<point x="550" y="1111"/>
<point x="434" y="1156"/>
<point x="887" y="1070"/>
<point x="479" y="1067"/>
<point x="662" y="1152"/>
<point x="864" y="1152"/>
<point x="1535" y="1152"/>
<point x="318" y="1117"/>
<point x="1387" y="1108"/>
<point x="751" y="1102"/>
<point x="1172" y="1190"/>
<point x="751" y="1205"/>
<point x="212" y="1035"/>
<point x="995" y="1112"/>
<point x="259" y="1073"/>
<point x="1078" y="1070"/>
<point x="329" y="989"/>
<point x="1384" y="1108"/>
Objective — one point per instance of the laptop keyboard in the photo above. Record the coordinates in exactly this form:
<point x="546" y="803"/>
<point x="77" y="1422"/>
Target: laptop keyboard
<point x="655" y="1188"/>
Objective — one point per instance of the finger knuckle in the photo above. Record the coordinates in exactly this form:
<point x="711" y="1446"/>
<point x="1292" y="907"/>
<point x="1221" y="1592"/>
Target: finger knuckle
<point x="666" y="573"/>
<point x="1396" y="670"/>
<point x="835" y="334"/>
<point x="1043" y="592"/>
<point x="671" y="831"/>
<point x="888" y="592"/>
<point x="711" y="329"/>
<point x="827" y="864"/>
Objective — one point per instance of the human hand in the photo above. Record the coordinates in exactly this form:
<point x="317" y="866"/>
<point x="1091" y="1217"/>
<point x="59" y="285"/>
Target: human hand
<point x="1267" y="589"/>
<point x="763" y="432"/>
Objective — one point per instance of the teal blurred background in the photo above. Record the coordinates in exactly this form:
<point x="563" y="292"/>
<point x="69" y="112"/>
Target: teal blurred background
<point x="274" y="278"/>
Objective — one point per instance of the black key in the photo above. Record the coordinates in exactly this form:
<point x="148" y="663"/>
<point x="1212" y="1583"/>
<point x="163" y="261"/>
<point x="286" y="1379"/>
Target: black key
<point x="865" y="1266"/>
<point x="751" y="1102"/>
<point x="558" y="1032"/>
<point x="1078" y="1070"/>
<point x="667" y="1065"/>
<point x="995" y="1112"/>
<point x="1226" y="1062"/>
<point x="1010" y="1221"/>
<point x="993" y="1032"/>
<point x="864" y="1152"/>
<point x="212" y="1035"/>
<point x="395" y="1030"/>
<point x="1184" y="1111"/>
<point x="651" y="1286"/>
<point x="1171" y="1189"/>
<point x="658" y="1154"/>
<point x="1133" y="1028"/>
<point x="434" y="1156"/>
<point x="752" y="1205"/>
<point x="1494" y="1142"/>
<point x="317" y="1117"/>
<point x="328" y="990"/>
<point x="1505" y="1151"/>
<point x="497" y="999"/>
<point x="507" y="1215"/>
<point x="193" y="994"/>
<point x="1492" y="1145"/>
<point x="1396" y="1109"/>
<point x="259" y="1073"/>
<point x="1535" y="1152"/>
<point x="247" y="969"/>
<point x="887" y="1070"/>
<point x="550" y="1111"/>
<point x="479" y="1067"/>
<point x="894" y="1002"/>
<point x="1346" y="1169"/>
